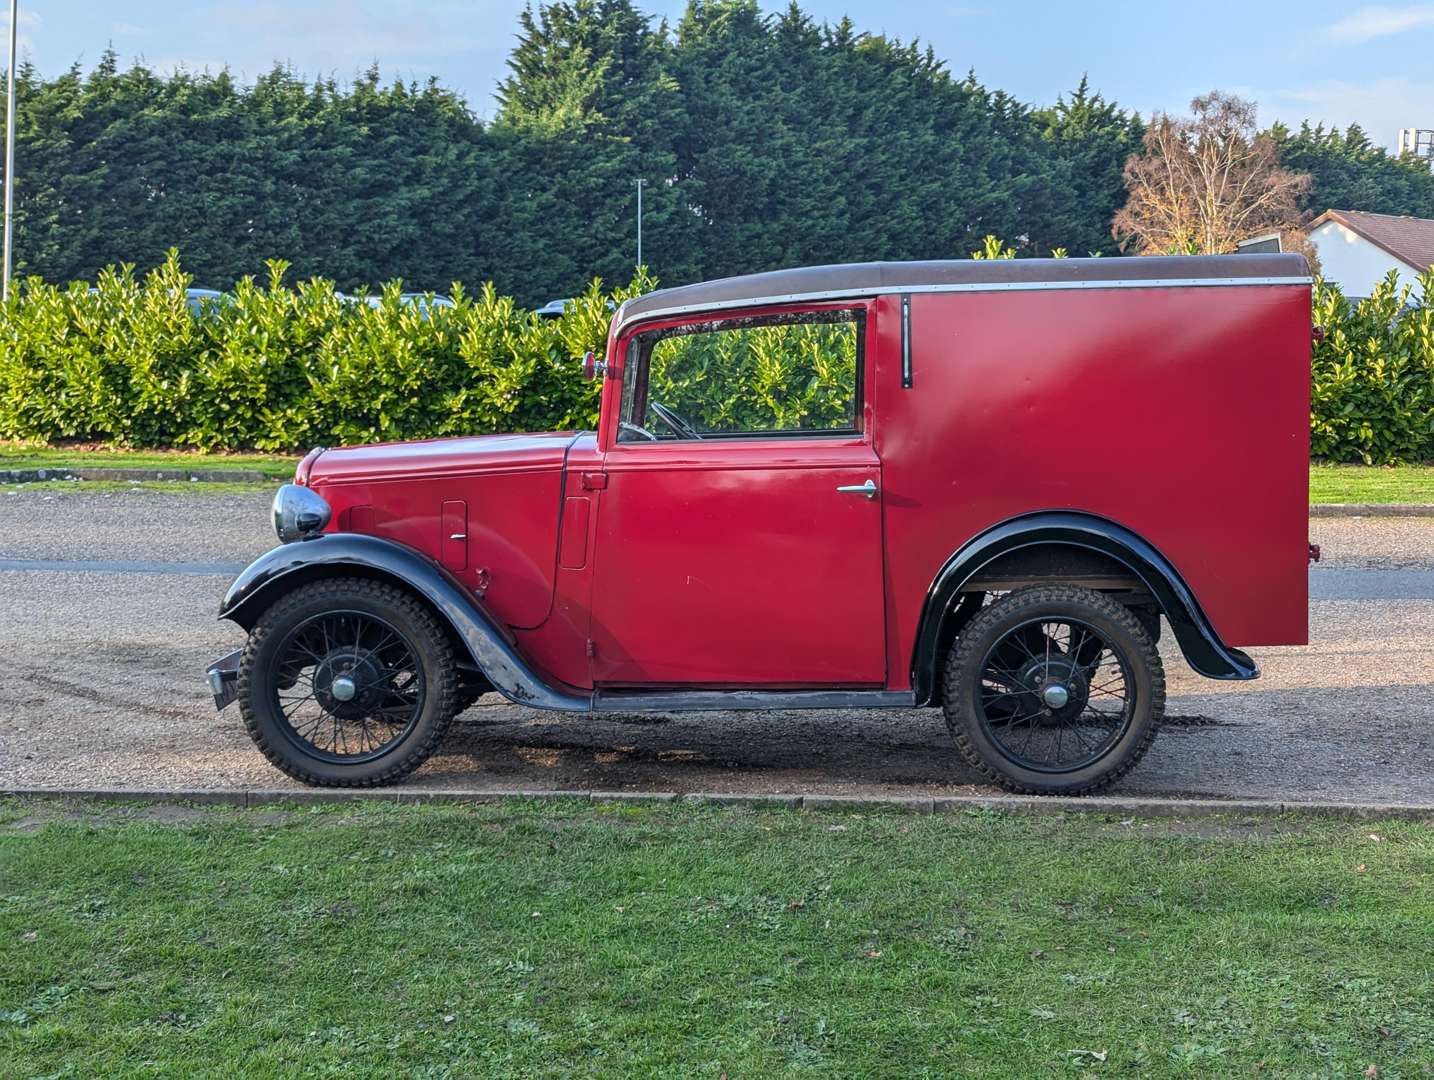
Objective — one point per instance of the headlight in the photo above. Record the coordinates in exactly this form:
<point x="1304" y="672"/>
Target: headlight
<point x="299" y="513"/>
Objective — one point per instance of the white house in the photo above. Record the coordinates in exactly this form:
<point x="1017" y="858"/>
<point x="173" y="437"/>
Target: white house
<point x="1356" y="250"/>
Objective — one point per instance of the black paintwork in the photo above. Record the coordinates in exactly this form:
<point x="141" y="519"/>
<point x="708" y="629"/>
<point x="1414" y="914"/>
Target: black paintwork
<point x="492" y="650"/>
<point x="630" y="701"/>
<point x="1203" y="649"/>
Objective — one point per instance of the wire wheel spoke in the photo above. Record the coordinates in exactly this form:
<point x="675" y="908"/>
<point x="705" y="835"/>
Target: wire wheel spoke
<point x="347" y="685"/>
<point x="1054" y="694"/>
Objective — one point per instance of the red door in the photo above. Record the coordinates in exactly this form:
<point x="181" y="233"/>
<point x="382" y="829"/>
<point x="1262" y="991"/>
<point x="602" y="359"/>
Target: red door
<point x="740" y="564"/>
<point x="736" y="545"/>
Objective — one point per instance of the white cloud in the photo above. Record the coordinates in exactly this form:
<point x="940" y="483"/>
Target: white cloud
<point x="27" y="18"/>
<point x="1380" y="106"/>
<point x="28" y="21"/>
<point x="1370" y="23"/>
<point x="341" y="33"/>
<point x="464" y="42"/>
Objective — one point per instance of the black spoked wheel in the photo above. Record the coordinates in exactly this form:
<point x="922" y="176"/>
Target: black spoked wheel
<point x="1054" y="695"/>
<point x="347" y="685"/>
<point x="347" y="682"/>
<point x="1054" y="689"/>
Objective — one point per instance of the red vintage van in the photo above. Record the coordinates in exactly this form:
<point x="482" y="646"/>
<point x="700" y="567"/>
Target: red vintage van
<point x="972" y="485"/>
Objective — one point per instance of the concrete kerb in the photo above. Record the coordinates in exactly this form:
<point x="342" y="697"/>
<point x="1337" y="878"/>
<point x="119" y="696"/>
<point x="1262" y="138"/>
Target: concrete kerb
<point x="213" y="476"/>
<point x="1115" y="806"/>
<point x="1345" y="510"/>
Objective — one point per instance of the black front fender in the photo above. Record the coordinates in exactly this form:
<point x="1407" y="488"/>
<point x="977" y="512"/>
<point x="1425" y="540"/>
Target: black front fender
<point x="332" y="554"/>
<point x="1203" y="649"/>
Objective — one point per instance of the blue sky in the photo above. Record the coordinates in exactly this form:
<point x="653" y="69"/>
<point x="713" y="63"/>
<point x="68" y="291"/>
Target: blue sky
<point x="1335" y="62"/>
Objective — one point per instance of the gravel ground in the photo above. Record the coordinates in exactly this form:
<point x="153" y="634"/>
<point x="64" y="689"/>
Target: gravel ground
<point x="101" y="684"/>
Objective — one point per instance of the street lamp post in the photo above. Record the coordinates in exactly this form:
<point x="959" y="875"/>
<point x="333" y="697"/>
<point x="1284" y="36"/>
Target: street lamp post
<point x="10" y="156"/>
<point x="640" y="185"/>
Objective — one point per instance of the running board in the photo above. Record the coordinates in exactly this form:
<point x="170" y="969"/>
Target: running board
<point x="642" y="701"/>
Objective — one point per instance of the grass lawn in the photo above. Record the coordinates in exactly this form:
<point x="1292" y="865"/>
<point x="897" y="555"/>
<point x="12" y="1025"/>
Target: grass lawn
<point x="34" y="456"/>
<point x="1363" y="484"/>
<point x="532" y="939"/>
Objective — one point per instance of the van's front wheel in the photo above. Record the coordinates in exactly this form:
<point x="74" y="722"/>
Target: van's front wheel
<point x="1054" y="689"/>
<point x="347" y="683"/>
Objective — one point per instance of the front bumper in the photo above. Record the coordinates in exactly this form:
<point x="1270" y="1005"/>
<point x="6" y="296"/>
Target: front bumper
<point x="223" y="677"/>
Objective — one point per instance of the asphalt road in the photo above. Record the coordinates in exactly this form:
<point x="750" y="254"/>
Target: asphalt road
<point x="107" y="622"/>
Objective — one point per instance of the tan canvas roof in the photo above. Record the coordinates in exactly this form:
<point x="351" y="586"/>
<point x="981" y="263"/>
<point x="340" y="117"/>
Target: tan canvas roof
<point x="1409" y="239"/>
<point x="866" y="279"/>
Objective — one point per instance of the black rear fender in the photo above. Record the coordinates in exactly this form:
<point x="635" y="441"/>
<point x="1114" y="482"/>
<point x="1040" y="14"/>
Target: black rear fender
<point x="1114" y="546"/>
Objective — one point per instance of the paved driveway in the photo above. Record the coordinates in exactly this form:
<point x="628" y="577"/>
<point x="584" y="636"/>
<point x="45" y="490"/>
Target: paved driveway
<point x="107" y="621"/>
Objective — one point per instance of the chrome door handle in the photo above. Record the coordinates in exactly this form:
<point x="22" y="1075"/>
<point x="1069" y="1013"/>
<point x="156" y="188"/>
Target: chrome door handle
<point x="869" y="489"/>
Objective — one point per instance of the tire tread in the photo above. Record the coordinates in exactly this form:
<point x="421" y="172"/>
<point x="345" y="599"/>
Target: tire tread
<point x="437" y="648"/>
<point x="971" y="638"/>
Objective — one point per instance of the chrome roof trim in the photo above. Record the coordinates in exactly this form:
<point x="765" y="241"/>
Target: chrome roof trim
<point x="973" y="286"/>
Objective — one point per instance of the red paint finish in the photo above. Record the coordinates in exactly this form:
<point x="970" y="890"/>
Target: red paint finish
<point x="731" y="562"/>
<point x="559" y="647"/>
<point x="512" y="486"/>
<point x="453" y="535"/>
<point x="574" y="551"/>
<point x="1180" y="413"/>
<point x="735" y="562"/>
<point x="435" y="458"/>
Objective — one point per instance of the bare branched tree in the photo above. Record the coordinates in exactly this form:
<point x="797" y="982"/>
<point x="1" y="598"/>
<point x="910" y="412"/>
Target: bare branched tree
<point x="1205" y="182"/>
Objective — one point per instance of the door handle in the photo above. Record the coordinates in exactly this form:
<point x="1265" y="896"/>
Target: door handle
<point x="869" y="489"/>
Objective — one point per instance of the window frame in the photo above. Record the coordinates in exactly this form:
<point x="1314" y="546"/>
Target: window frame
<point x="636" y="364"/>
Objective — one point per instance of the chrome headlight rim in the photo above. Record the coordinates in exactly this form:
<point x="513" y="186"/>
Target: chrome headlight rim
<point x="299" y="513"/>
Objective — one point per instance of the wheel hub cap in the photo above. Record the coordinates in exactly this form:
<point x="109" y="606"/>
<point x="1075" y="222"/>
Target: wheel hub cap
<point x="346" y="682"/>
<point x="1058" y="686"/>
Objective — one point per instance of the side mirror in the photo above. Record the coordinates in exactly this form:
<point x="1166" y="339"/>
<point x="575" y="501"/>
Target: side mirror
<point x="593" y="368"/>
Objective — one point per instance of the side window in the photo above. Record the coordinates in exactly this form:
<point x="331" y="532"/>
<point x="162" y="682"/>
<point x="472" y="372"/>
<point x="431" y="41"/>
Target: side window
<point x="787" y="375"/>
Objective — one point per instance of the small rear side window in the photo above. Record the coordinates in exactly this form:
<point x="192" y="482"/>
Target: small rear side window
<point x="788" y="375"/>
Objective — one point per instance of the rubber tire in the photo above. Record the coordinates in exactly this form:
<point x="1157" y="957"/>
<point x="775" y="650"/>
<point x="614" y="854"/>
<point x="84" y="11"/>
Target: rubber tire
<point x="963" y="670"/>
<point x="395" y="606"/>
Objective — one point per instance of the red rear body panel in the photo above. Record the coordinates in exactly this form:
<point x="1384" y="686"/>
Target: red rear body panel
<point x="1180" y="413"/>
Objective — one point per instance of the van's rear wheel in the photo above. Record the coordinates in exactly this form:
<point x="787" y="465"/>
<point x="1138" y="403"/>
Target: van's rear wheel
<point x="1054" y="690"/>
<point x="347" y="683"/>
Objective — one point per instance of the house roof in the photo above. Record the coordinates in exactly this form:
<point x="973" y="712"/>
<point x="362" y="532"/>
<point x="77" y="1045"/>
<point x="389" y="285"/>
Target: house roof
<point x="868" y="279"/>
<point x="1408" y="239"/>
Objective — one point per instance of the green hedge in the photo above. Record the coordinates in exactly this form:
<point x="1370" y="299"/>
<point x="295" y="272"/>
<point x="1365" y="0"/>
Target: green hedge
<point x="1372" y="397"/>
<point x="760" y="378"/>
<point x="276" y="367"/>
<point x="279" y="367"/>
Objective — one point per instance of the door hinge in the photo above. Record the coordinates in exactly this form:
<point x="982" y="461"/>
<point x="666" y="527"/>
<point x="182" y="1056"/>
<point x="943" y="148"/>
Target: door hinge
<point x="594" y="481"/>
<point x="591" y="650"/>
